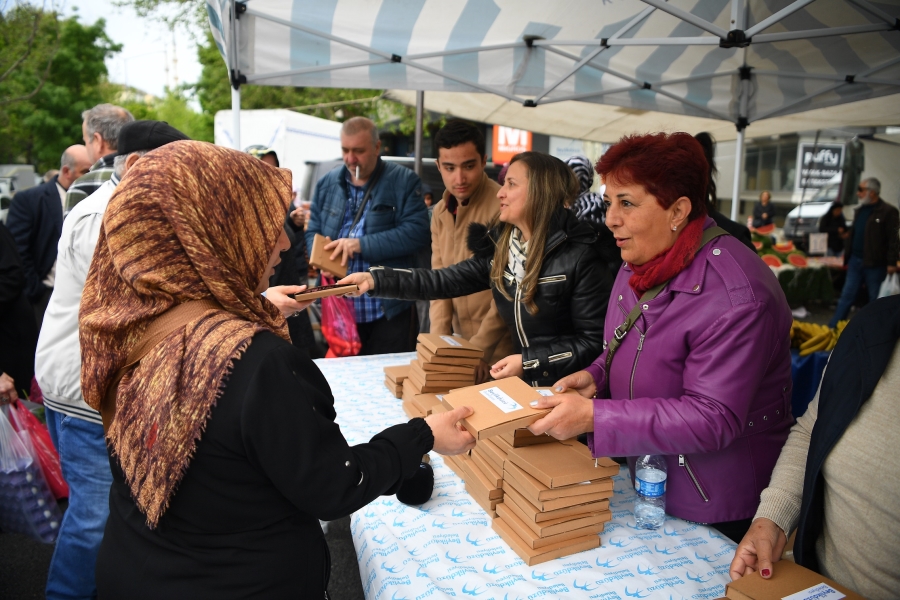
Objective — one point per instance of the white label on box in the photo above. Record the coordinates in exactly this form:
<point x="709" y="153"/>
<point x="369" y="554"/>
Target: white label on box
<point x="501" y="400"/>
<point x="545" y="392"/>
<point x="451" y="341"/>
<point x="816" y="592"/>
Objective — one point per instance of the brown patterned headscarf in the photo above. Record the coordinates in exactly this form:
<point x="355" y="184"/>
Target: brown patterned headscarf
<point x="191" y="221"/>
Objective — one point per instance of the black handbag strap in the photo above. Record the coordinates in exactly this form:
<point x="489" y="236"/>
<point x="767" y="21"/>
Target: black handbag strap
<point x="362" y="205"/>
<point x="620" y="331"/>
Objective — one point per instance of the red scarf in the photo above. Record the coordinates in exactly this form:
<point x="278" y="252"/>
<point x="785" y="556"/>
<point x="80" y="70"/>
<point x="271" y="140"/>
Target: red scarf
<point x="668" y="263"/>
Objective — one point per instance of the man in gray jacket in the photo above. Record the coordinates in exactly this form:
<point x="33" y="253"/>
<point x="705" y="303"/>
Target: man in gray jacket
<point x="374" y="213"/>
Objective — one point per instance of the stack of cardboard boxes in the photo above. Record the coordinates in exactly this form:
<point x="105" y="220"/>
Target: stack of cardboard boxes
<point x="442" y="363"/>
<point x="394" y="378"/>
<point x="548" y="498"/>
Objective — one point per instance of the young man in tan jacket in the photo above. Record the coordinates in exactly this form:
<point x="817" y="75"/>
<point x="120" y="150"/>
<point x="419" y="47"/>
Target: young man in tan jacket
<point x="470" y="197"/>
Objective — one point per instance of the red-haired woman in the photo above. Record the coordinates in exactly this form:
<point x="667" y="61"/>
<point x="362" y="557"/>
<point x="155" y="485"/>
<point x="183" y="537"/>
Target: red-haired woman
<point x="703" y="376"/>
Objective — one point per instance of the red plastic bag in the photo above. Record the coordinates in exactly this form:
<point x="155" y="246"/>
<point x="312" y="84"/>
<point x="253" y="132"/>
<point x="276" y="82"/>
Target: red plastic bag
<point x="339" y="325"/>
<point x="26" y="424"/>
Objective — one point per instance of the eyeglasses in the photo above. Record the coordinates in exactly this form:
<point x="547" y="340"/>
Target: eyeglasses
<point x="862" y="189"/>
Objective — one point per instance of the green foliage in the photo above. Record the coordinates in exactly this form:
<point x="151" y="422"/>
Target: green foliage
<point x="37" y="128"/>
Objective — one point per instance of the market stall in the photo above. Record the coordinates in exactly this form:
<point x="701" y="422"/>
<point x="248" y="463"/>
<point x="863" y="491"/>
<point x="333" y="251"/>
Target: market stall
<point x="447" y="547"/>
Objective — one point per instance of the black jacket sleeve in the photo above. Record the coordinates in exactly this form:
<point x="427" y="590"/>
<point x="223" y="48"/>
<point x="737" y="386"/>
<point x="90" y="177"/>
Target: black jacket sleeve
<point x="587" y="305"/>
<point x="288" y="431"/>
<point x="461" y="279"/>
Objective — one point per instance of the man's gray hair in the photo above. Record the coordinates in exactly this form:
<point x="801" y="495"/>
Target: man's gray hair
<point x="119" y="161"/>
<point x="355" y="125"/>
<point x="874" y="185"/>
<point x="107" y="120"/>
<point x="67" y="160"/>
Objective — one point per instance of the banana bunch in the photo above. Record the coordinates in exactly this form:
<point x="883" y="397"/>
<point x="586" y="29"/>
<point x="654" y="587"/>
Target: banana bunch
<point x="811" y="337"/>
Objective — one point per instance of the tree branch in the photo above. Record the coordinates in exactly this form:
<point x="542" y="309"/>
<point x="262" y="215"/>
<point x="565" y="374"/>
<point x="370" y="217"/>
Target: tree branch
<point x="45" y="76"/>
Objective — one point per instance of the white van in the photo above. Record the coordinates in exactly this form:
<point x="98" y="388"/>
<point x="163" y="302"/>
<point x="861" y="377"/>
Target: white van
<point x="805" y="218"/>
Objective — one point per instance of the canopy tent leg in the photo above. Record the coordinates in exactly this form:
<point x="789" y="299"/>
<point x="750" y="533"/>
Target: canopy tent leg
<point x="420" y="120"/>
<point x="236" y="118"/>
<point x="738" y="160"/>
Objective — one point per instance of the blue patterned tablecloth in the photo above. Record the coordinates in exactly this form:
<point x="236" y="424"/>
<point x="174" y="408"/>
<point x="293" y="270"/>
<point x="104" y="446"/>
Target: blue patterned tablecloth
<point x="446" y="547"/>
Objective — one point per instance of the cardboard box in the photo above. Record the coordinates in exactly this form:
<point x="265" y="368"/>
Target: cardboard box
<point x="493" y="454"/>
<point x="502" y="444"/>
<point x="460" y="379"/>
<point x="420" y="387"/>
<point x="411" y="411"/>
<point x="454" y="463"/>
<point x="425" y="403"/>
<point x="533" y="513"/>
<point x="438" y="408"/>
<point x="397" y="373"/>
<point x="533" y="556"/>
<point x="787" y="578"/>
<point x="432" y="366"/>
<point x="485" y="503"/>
<point x="537" y="492"/>
<point x="558" y="503"/>
<point x="448" y="345"/>
<point x="557" y="526"/>
<point x="499" y="406"/>
<point x="479" y="482"/>
<point x="487" y="469"/>
<point x="532" y="539"/>
<point x="522" y="437"/>
<point x="426" y="355"/>
<point x="557" y="465"/>
<point x="321" y="259"/>
<point x="395" y="388"/>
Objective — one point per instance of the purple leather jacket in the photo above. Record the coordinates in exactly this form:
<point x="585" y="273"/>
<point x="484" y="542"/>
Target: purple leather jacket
<point x="704" y="378"/>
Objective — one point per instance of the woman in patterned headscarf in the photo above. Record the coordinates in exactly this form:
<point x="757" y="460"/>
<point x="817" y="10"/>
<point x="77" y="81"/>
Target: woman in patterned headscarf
<point x="223" y="445"/>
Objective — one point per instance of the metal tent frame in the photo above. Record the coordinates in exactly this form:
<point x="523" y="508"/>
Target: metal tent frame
<point x="740" y="37"/>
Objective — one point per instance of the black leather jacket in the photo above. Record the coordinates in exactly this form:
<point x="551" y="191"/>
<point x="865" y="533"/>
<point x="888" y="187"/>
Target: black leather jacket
<point x="566" y="333"/>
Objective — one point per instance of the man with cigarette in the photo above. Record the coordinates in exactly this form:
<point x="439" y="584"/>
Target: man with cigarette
<point x="372" y="212"/>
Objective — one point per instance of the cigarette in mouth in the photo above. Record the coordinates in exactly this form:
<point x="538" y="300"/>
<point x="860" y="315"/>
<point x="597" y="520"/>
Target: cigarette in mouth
<point x="357" y="171"/>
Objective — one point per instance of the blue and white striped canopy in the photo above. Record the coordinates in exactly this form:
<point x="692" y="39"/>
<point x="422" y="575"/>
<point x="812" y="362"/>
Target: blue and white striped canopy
<point x="735" y="60"/>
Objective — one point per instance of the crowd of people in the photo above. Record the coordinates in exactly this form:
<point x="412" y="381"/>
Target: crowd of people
<point x="152" y="282"/>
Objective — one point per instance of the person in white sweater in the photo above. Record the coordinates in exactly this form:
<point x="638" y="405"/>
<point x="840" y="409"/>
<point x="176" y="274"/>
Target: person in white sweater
<point x="837" y="480"/>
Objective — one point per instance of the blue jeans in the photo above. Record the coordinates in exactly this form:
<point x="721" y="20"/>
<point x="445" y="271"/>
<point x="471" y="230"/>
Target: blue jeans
<point x="85" y="466"/>
<point x="856" y="274"/>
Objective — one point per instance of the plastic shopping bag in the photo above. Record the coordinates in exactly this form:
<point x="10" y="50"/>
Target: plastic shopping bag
<point x="890" y="286"/>
<point x="26" y="504"/>
<point x="26" y="424"/>
<point x="339" y="325"/>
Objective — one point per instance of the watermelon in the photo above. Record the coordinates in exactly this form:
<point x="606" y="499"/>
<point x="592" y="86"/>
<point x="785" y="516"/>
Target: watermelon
<point x="758" y="246"/>
<point x="797" y="259"/>
<point x="772" y="260"/>
<point x="783" y="248"/>
<point x="766" y="229"/>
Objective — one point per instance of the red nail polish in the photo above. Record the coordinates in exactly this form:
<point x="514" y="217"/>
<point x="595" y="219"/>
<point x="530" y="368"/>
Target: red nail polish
<point x="766" y="572"/>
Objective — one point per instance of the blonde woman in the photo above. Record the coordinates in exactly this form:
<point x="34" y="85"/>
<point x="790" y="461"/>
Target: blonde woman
<point x="549" y="284"/>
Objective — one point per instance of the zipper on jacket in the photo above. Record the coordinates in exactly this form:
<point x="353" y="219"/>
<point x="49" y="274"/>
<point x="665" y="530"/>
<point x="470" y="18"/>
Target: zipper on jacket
<point x="683" y="462"/>
<point x="517" y="315"/>
<point x="560" y="356"/>
<point x="634" y="366"/>
<point x="551" y="279"/>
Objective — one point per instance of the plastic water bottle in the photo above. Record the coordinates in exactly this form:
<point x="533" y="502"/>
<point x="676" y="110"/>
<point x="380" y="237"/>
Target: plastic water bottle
<point x="650" y="485"/>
